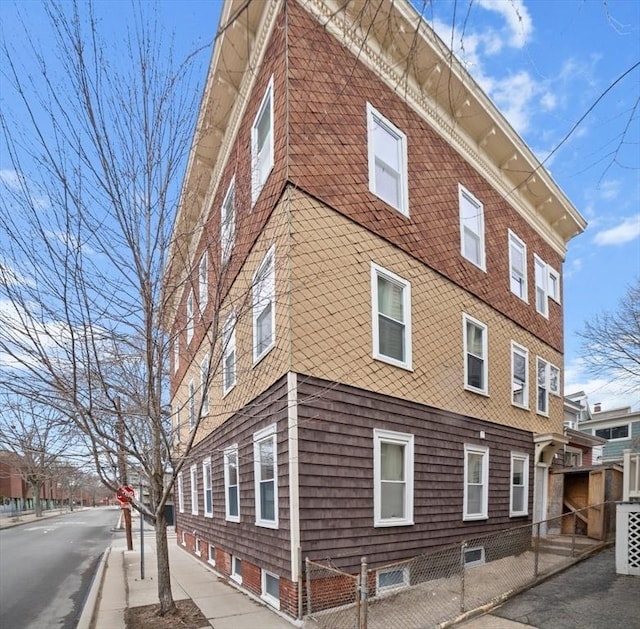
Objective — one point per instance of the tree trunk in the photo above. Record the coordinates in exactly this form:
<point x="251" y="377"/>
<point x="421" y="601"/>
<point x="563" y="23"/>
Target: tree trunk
<point x="165" y="597"/>
<point x="37" y="504"/>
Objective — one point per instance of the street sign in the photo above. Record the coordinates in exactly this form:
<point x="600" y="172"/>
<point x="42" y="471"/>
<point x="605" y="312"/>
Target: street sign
<point x="125" y="494"/>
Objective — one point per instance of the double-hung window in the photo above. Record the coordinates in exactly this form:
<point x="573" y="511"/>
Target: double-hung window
<point x="203" y="282"/>
<point x="542" y="291"/>
<point x="229" y="354"/>
<point x="265" y="469"/>
<point x="388" y="172"/>
<point x="471" y="228"/>
<point x="542" y="397"/>
<point x="231" y="484"/>
<point x="476" y="482"/>
<point x="176" y="353"/>
<point x="204" y="384"/>
<point x="517" y="266"/>
<point x="207" y="489"/>
<point x="264" y="312"/>
<point x="475" y="355"/>
<point x="194" y="490"/>
<point x="519" y="375"/>
<point x="228" y="223"/>
<point x="553" y="284"/>
<point x="180" y="492"/>
<point x="519" y="499"/>
<point x="392" y="478"/>
<point x="192" y="405"/>
<point x="262" y="144"/>
<point x="190" y="317"/>
<point x="391" y="317"/>
<point x="554" y="380"/>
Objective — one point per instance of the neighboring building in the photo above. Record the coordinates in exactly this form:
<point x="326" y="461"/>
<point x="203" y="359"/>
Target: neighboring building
<point x="619" y="426"/>
<point x="393" y="384"/>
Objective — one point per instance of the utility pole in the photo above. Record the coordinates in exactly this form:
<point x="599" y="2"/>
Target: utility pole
<point x="122" y="471"/>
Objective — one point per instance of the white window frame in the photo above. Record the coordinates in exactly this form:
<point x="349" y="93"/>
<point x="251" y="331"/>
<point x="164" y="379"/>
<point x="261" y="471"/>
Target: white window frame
<point x="554" y="383"/>
<point x="206" y="464"/>
<point x="194" y="489"/>
<point x="553" y="284"/>
<point x="266" y="434"/>
<point x="228" y="223"/>
<point x="464" y="196"/>
<point x="180" y="493"/>
<point x="573" y="452"/>
<point x="524" y="353"/>
<point x="373" y="117"/>
<point x="524" y="458"/>
<point x="228" y="351"/>
<point x="518" y="277"/>
<point x="544" y="385"/>
<point x="484" y="513"/>
<point x="541" y="276"/>
<point x="611" y="427"/>
<point x="383" y="589"/>
<point x="380" y="272"/>
<point x="265" y="596"/>
<point x="263" y="296"/>
<point x="235" y="575"/>
<point x="203" y="282"/>
<point x="204" y="389"/>
<point x="183" y="538"/>
<point x="198" y="547"/>
<point x="192" y="405"/>
<point x="177" y="426"/>
<point x="190" y="316"/>
<point x="485" y="355"/>
<point x="267" y="153"/>
<point x="407" y="441"/>
<point x="211" y="554"/>
<point x="176" y="353"/>
<point x="228" y="453"/>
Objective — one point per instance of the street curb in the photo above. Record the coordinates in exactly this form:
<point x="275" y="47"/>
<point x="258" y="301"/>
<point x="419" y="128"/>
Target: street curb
<point x="93" y="598"/>
<point x="45" y="516"/>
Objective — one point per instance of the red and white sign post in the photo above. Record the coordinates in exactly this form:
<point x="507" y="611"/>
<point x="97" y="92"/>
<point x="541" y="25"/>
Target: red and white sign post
<point x="124" y="495"/>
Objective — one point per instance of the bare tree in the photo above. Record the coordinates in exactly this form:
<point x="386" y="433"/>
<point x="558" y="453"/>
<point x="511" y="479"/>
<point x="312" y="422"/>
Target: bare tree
<point x="37" y="438"/>
<point x="611" y="341"/>
<point x="97" y="137"/>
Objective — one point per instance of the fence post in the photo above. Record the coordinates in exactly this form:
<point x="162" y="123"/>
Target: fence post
<point x="462" y="571"/>
<point x="536" y="551"/>
<point x="364" y="589"/>
<point x="573" y="534"/>
<point x="307" y="574"/>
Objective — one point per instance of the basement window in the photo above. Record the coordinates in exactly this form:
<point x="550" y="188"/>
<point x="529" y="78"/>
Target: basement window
<point x="391" y="579"/>
<point x="474" y="557"/>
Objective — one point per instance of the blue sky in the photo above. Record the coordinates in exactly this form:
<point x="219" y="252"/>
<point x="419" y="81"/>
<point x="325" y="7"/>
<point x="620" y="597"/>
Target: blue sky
<point x="545" y="64"/>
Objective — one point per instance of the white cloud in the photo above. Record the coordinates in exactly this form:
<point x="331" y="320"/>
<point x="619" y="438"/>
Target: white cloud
<point x="621" y="234"/>
<point x="514" y="96"/>
<point x="516" y="16"/>
<point x="10" y="178"/>
<point x="609" y="189"/>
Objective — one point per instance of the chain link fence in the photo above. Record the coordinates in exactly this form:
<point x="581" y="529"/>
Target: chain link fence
<point x="434" y="589"/>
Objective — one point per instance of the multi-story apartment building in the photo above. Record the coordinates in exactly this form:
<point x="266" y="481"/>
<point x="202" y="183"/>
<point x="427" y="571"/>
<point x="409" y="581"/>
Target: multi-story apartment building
<point x="381" y="254"/>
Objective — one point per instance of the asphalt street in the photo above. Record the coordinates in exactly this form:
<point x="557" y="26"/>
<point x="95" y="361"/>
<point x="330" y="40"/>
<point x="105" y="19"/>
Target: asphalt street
<point x="46" y="568"/>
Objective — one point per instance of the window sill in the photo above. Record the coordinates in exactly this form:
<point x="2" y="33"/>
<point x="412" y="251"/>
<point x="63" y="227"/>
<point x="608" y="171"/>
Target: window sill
<point x="520" y="406"/>
<point x="474" y="518"/>
<point x="393" y="362"/>
<point x="519" y="515"/>
<point x="208" y="515"/>
<point x="258" y="359"/>
<point x="389" y="523"/>
<point x="236" y="578"/>
<point x="232" y="518"/>
<point x="231" y="388"/>
<point x="269" y="600"/>
<point x="267" y="524"/>
<point x="476" y="391"/>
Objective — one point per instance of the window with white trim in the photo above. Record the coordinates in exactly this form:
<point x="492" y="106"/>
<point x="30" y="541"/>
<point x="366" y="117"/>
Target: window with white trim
<point x="473" y="556"/>
<point x="519" y="495"/>
<point x="391" y="317"/>
<point x="554" y="380"/>
<point x="476" y="482"/>
<point x="542" y="290"/>
<point x="192" y="405"/>
<point x="572" y="457"/>
<point x="236" y="569"/>
<point x="180" y="493"/>
<point x="518" y="267"/>
<point x="392" y="478"/>
<point x="177" y="426"/>
<point x="229" y="354"/>
<point x="614" y="432"/>
<point x="203" y="282"/>
<point x="271" y="589"/>
<point x="388" y="169"/>
<point x="190" y="317"/>
<point x="471" y="228"/>
<point x="519" y="375"/>
<point x="553" y="284"/>
<point x="231" y="484"/>
<point x="475" y="355"/>
<point x="194" y="490"/>
<point x="264" y="311"/>
<point x="542" y="396"/>
<point x="228" y="222"/>
<point x="207" y="489"/>
<point x="391" y="579"/>
<point x="198" y="548"/>
<point x="211" y="558"/>
<point x="265" y="469"/>
<point x="262" y="144"/>
<point x="176" y="353"/>
<point x="204" y="385"/>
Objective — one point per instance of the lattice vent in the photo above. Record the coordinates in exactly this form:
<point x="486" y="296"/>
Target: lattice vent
<point x="634" y="540"/>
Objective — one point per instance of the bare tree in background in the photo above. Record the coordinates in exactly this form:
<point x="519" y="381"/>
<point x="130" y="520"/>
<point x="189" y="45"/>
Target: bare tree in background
<point x="611" y="341"/>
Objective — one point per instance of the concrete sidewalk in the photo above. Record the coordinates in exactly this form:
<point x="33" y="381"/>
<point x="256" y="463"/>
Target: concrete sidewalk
<point x="224" y="606"/>
<point x="9" y="520"/>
